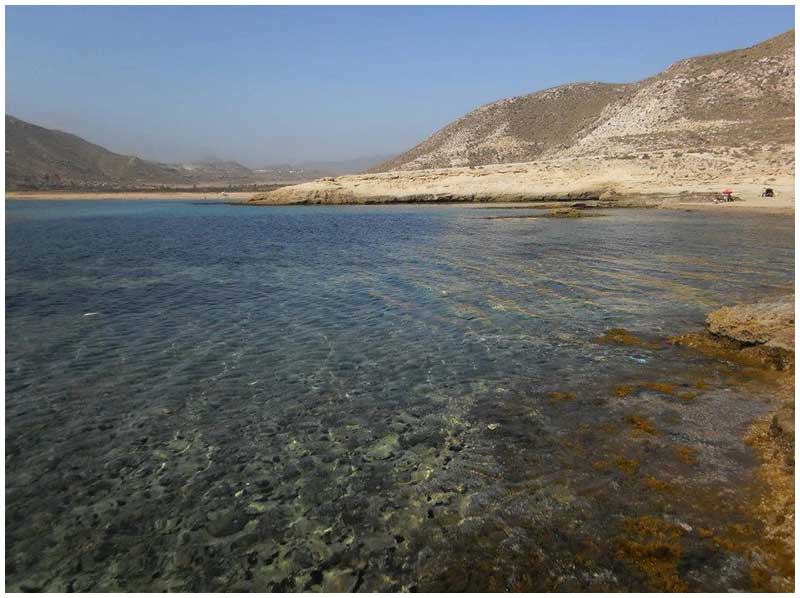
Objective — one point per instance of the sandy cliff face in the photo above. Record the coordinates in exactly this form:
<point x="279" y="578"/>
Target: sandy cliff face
<point x="706" y="123"/>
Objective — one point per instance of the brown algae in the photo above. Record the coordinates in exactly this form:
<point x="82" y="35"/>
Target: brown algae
<point x="620" y="336"/>
<point x="641" y="425"/>
<point x="653" y="547"/>
<point x="662" y="387"/>
<point x="686" y="454"/>
<point x="623" y="390"/>
<point x="657" y="485"/>
<point x="628" y="466"/>
<point x="557" y="395"/>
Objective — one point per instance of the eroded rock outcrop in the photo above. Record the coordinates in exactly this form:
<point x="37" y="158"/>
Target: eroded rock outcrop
<point x="769" y="323"/>
<point x="761" y="332"/>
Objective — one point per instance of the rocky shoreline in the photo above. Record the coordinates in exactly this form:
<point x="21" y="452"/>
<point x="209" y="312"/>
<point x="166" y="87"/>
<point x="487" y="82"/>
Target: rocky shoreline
<point x="761" y="335"/>
<point x="660" y="179"/>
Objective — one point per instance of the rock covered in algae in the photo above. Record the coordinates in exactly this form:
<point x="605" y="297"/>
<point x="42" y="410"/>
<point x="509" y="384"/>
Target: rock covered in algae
<point x="620" y="336"/>
<point x="756" y="334"/>
<point x="564" y="213"/>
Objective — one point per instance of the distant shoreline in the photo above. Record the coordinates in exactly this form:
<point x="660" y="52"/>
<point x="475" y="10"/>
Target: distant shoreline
<point x="750" y="204"/>
<point x="127" y="195"/>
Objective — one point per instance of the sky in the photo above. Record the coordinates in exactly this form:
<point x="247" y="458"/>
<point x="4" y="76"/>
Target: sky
<point x="269" y="84"/>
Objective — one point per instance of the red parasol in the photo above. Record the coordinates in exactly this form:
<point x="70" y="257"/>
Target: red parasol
<point x="727" y="191"/>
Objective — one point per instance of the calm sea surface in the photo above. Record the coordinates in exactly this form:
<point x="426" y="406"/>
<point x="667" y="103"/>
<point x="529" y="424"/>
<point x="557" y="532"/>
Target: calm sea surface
<point x="216" y="397"/>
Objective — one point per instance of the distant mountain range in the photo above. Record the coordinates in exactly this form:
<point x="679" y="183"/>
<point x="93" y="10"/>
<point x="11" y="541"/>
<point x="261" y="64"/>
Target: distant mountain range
<point x="315" y="169"/>
<point x="355" y="165"/>
<point x="38" y="158"/>
<point x="733" y="98"/>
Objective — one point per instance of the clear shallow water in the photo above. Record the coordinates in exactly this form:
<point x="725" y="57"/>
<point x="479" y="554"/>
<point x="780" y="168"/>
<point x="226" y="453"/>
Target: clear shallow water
<point x="213" y="397"/>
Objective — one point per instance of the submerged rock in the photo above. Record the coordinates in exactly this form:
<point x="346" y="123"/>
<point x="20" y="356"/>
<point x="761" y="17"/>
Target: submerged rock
<point x="226" y="523"/>
<point x="564" y="213"/>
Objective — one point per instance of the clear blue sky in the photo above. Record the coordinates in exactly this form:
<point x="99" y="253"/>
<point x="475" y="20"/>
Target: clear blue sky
<point x="277" y="84"/>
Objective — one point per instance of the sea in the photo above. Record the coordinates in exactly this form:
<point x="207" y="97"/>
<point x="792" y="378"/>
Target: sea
<point x="203" y="396"/>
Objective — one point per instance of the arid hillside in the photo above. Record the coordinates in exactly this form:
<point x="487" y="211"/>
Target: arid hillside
<point x="44" y="159"/>
<point x="40" y="158"/>
<point x="739" y="99"/>
<point x="735" y="98"/>
<point x="513" y="130"/>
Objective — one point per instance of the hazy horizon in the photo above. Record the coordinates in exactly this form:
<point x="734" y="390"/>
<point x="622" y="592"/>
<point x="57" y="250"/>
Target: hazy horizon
<point x="275" y="85"/>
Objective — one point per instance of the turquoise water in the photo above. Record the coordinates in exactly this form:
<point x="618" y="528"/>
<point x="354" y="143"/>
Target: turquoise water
<point x="214" y="397"/>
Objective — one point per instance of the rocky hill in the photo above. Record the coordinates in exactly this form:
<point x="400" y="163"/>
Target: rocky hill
<point x="39" y="158"/>
<point x="732" y="98"/>
<point x="512" y="130"/>
<point x="742" y="98"/>
<point x="722" y="119"/>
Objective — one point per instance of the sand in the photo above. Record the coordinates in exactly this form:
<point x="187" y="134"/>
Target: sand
<point x="748" y="197"/>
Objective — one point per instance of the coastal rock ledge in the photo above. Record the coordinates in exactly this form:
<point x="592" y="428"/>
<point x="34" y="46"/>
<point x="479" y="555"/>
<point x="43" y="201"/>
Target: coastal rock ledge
<point x="768" y="323"/>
